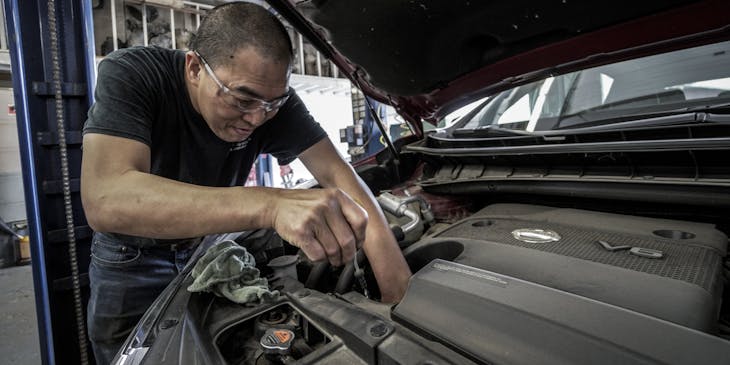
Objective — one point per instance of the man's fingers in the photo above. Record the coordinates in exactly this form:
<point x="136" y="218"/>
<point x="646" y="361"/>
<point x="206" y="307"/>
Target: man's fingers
<point x="356" y="216"/>
<point x="324" y="224"/>
<point x="342" y="232"/>
<point x="312" y="248"/>
<point x="330" y="245"/>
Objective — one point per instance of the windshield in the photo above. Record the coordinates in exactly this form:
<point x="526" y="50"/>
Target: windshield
<point x="672" y="81"/>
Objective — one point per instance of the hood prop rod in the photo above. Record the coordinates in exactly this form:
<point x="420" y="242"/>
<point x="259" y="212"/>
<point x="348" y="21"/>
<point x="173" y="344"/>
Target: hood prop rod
<point x="381" y="126"/>
<point x="383" y="131"/>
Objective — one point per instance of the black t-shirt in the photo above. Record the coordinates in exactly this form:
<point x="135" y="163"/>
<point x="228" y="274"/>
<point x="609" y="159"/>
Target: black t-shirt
<point x="141" y="95"/>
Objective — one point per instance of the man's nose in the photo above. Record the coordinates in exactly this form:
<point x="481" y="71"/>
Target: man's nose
<point x="255" y="117"/>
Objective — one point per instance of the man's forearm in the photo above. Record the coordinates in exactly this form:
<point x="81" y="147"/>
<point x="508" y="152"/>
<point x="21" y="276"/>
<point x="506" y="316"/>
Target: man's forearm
<point x="385" y="257"/>
<point x="120" y="195"/>
<point x="387" y="261"/>
<point x="380" y="247"/>
<point x="142" y="204"/>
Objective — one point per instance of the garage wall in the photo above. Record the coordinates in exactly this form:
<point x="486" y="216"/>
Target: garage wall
<point x="329" y="101"/>
<point x="12" y="201"/>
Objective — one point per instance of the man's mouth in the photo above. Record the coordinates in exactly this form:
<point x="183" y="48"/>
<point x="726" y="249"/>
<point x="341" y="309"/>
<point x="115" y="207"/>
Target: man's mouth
<point x="243" y="132"/>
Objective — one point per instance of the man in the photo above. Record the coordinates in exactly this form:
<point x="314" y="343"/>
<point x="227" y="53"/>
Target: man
<point x="167" y="146"/>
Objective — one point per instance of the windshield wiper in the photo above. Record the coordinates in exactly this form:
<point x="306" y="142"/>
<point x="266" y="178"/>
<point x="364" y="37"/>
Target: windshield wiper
<point x="669" y="96"/>
<point x="699" y="113"/>
<point x="668" y="120"/>
<point x="491" y="130"/>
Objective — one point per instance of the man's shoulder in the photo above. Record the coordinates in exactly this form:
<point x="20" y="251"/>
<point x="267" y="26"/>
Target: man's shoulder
<point x="145" y="55"/>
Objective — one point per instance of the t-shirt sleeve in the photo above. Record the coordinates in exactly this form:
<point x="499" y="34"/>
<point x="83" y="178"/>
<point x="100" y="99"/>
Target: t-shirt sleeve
<point x="123" y="102"/>
<point x="291" y="131"/>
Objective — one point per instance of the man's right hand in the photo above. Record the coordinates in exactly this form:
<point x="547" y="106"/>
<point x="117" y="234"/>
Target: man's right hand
<point x="324" y="223"/>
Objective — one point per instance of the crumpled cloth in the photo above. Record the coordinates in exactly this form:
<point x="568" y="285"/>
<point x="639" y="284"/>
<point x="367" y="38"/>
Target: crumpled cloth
<point x="228" y="270"/>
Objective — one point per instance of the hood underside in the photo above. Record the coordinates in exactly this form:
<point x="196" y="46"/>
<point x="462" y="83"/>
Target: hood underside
<point x="429" y="57"/>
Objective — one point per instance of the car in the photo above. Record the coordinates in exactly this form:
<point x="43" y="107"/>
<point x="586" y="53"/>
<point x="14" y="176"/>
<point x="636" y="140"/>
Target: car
<point x="576" y="215"/>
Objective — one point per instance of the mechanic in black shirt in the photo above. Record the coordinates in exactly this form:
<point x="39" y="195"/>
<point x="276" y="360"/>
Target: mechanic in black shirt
<point x="168" y="144"/>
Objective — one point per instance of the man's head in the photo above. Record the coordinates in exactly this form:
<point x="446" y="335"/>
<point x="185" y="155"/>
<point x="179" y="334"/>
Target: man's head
<point x="237" y="71"/>
<point x="233" y="26"/>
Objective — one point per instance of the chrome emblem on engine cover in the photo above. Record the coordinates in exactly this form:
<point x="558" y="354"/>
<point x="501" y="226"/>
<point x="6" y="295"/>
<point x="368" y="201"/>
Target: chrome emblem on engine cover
<point x="535" y="235"/>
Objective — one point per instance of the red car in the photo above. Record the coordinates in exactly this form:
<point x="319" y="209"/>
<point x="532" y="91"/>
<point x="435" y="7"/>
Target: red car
<point x="578" y="215"/>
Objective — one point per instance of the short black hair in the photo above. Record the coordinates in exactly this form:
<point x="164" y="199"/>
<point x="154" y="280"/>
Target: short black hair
<point x="230" y="27"/>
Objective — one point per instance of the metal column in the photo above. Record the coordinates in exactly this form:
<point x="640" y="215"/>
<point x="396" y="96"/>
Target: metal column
<point x="28" y="37"/>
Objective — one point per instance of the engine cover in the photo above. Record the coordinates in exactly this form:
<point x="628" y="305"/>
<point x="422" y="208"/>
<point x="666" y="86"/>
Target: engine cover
<point x="663" y="268"/>
<point x="498" y="319"/>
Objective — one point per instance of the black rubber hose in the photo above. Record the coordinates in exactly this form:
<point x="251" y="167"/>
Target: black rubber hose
<point x="348" y="273"/>
<point x="345" y="280"/>
<point x="316" y="273"/>
<point x="344" y="283"/>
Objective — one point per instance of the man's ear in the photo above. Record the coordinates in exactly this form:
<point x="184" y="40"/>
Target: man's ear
<point x="193" y="68"/>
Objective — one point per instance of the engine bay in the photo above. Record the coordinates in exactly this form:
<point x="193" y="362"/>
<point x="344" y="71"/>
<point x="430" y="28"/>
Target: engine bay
<point x="504" y="283"/>
<point x="517" y="280"/>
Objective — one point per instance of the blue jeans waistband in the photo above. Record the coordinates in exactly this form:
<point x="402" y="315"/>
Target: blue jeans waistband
<point x="144" y="242"/>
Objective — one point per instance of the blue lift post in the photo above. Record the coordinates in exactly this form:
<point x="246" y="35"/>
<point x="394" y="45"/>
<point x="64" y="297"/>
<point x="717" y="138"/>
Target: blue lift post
<point x="32" y="73"/>
<point x="264" y="167"/>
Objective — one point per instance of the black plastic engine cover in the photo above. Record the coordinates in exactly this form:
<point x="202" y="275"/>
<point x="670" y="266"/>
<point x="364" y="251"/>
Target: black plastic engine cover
<point x="499" y="319"/>
<point x="684" y="286"/>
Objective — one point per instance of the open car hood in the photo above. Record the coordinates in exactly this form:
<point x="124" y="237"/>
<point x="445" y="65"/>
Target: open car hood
<point x="427" y="58"/>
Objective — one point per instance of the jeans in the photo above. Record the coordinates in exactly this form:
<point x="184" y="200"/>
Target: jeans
<point x="124" y="281"/>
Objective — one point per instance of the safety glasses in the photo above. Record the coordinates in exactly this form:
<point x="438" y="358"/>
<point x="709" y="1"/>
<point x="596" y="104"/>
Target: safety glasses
<point x="241" y="101"/>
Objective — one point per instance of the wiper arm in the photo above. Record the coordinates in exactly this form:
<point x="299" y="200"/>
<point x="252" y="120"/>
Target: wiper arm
<point x="663" y="120"/>
<point x="491" y="130"/>
<point x="619" y="119"/>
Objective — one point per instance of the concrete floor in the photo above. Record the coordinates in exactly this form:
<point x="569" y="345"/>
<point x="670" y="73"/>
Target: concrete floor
<point x="18" y="327"/>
